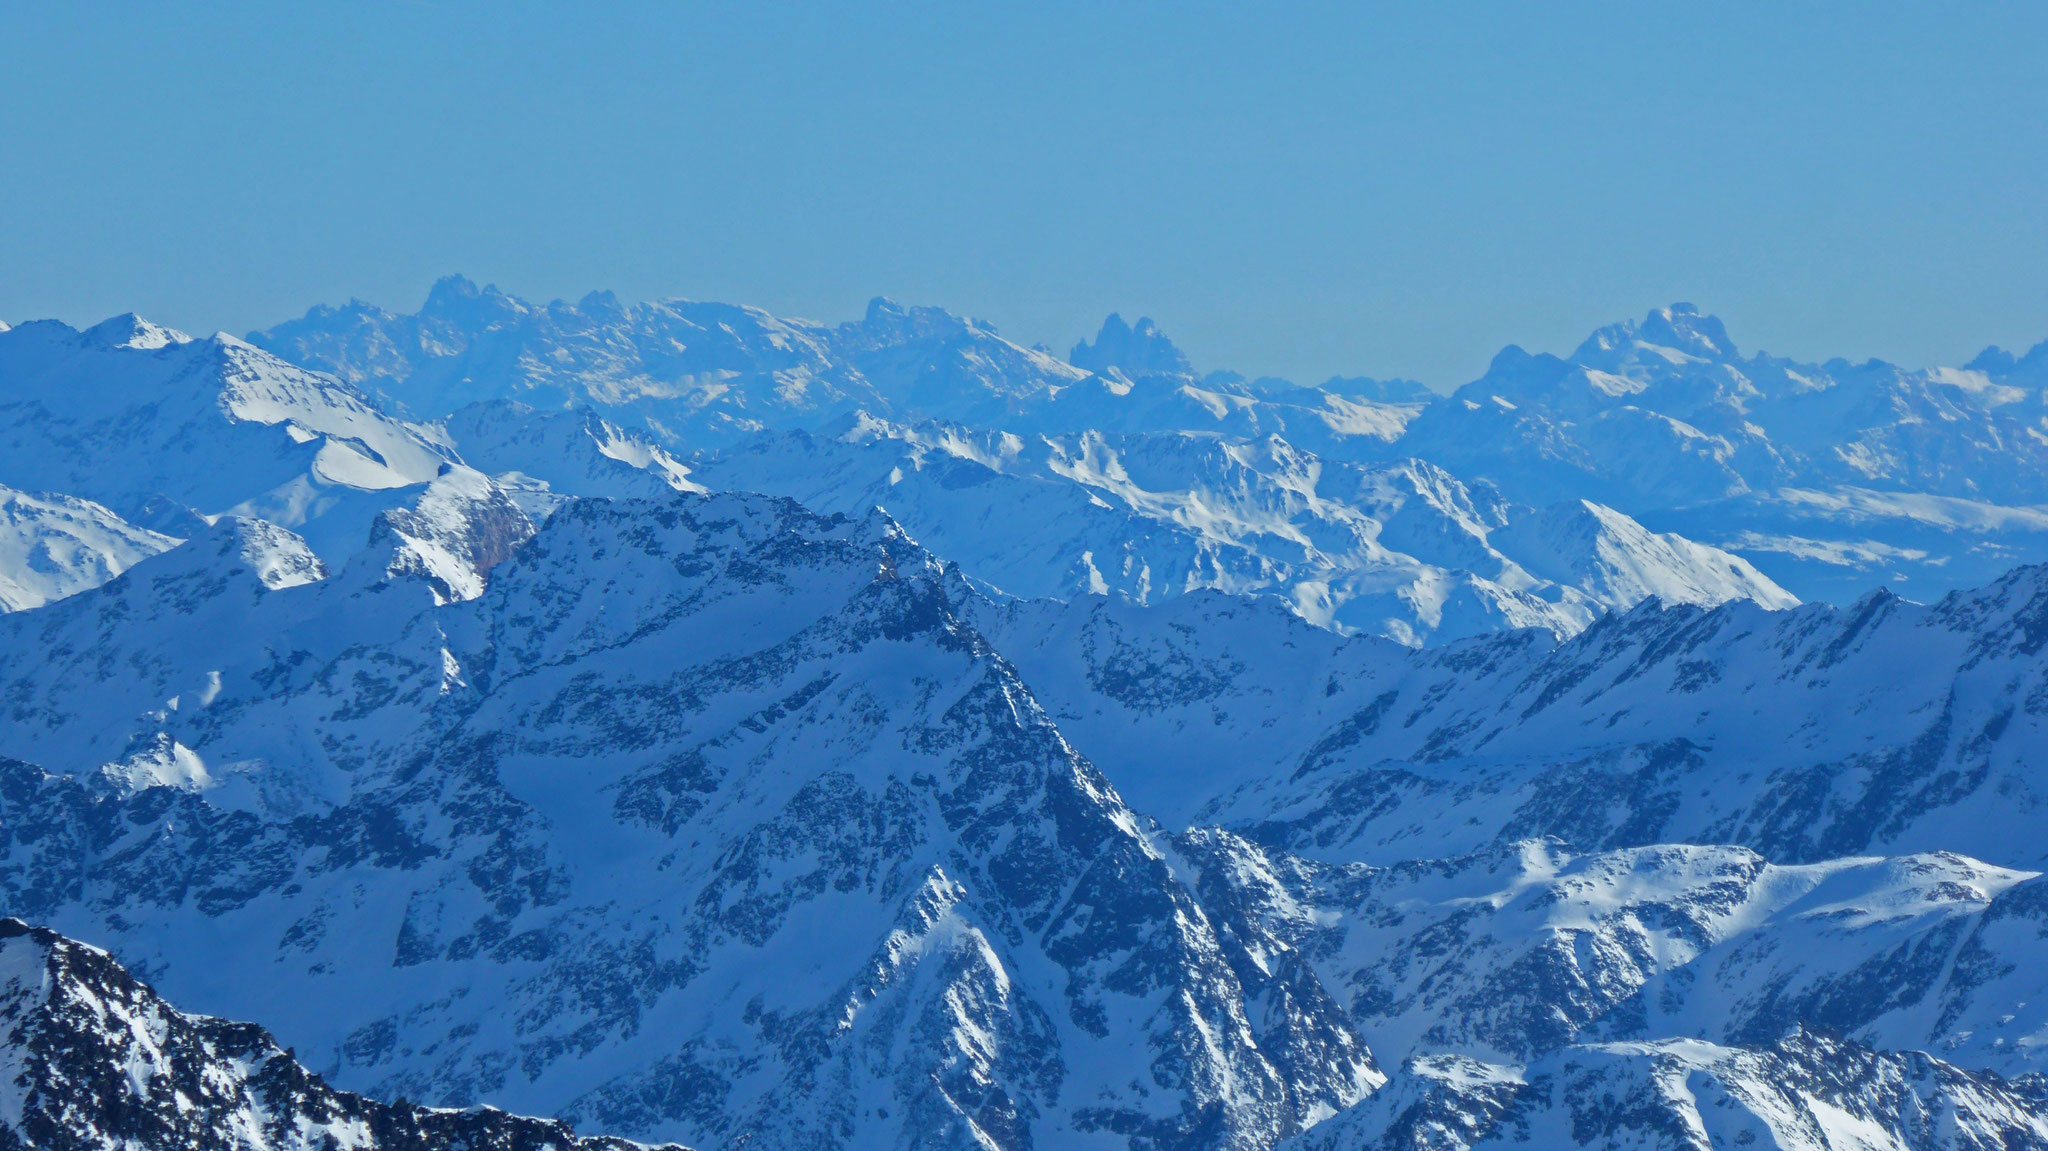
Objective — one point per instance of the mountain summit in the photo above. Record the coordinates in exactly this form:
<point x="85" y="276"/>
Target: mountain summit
<point x="762" y="733"/>
<point x="1135" y="351"/>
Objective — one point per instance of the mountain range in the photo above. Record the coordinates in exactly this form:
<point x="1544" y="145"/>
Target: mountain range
<point x="677" y="723"/>
<point x="1831" y="479"/>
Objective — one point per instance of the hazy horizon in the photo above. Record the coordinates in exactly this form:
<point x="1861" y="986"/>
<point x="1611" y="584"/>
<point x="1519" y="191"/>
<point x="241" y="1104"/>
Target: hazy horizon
<point x="1321" y="192"/>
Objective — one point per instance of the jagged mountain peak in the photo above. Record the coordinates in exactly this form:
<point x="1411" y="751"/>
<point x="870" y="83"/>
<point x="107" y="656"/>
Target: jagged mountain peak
<point x="462" y="525"/>
<point x="225" y="551"/>
<point x="90" y="1056"/>
<point x="1830" y="477"/>
<point x="195" y="420"/>
<point x="457" y="295"/>
<point x="2028" y="369"/>
<point x="1397" y="548"/>
<point x="887" y="322"/>
<point x="689" y="373"/>
<point x="1515" y="360"/>
<point x="2007" y="618"/>
<point x="1804" y="1092"/>
<point x="693" y="813"/>
<point x="1134" y="350"/>
<point x="1680" y="328"/>
<point x="858" y="891"/>
<point x="601" y="301"/>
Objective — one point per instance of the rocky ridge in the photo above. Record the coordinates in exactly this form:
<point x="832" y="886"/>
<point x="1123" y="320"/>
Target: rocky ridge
<point x="93" y="1058"/>
<point x="513" y="766"/>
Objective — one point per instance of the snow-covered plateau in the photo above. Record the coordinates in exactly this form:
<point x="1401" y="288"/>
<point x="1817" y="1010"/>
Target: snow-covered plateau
<point x="676" y="723"/>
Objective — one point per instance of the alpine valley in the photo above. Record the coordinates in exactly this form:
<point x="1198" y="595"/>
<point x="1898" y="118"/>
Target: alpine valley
<point x="517" y="727"/>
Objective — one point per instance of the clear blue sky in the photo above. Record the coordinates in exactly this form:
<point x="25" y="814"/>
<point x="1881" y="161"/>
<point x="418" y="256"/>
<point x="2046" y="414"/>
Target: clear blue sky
<point x="1348" y="188"/>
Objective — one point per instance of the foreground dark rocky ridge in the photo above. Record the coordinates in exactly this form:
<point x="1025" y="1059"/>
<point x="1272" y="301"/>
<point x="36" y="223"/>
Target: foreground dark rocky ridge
<point x="90" y="1057"/>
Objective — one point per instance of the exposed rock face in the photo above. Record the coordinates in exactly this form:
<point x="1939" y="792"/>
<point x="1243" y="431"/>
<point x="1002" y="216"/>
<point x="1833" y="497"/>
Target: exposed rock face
<point x="708" y="819"/>
<point x="1135" y="351"/>
<point x="90" y="1057"/>
<point x="498" y="761"/>
<point x="1830" y="478"/>
<point x="711" y="818"/>
<point x="1518" y="951"/>
<point x="1884" y="727"/>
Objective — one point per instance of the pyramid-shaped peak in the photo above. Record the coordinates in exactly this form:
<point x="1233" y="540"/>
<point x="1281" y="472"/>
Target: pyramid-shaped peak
<point x="129" y="330"/>
<point x="1137" y="350"/>
<point x="600" y="300"/>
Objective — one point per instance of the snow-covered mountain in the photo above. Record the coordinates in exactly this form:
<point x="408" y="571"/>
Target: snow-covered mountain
<point x="92" y="1057"/>
<point x="708" y="373"/>
<point x="509" y="753"/>
<point x="52" y="546"/>
<point x="709" y="819"/>
<point x="1401" y="549"/>
<point x="1806" y="1092"/>
<point x="705" y="375"/>
<point x="1526" y="948"/>
<point x="128" y="414"/>
<point x="1669" y="404"/>
<point x="1832" y="478"/>
<point x="540" y="458"/>
<point x="1805" y="734"/>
